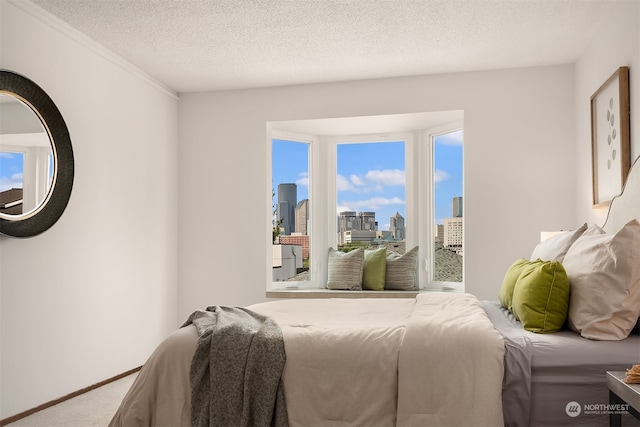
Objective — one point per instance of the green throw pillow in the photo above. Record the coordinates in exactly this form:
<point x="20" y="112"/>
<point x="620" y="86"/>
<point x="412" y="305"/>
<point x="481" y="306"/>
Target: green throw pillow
<point x="509" y="283"/>
<point x="375" y="268"/>
<point x="541" y="297"/>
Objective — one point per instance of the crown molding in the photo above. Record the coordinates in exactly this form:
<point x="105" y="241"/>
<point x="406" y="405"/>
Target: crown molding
<point x="87" y="42"/>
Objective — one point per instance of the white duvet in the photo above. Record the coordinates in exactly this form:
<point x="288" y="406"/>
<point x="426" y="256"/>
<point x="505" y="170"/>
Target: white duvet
<point x="431" y="361"/>
<point x="451" y="364"/>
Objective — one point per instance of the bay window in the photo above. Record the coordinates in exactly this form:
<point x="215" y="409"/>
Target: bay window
<point x="365" y="181"/>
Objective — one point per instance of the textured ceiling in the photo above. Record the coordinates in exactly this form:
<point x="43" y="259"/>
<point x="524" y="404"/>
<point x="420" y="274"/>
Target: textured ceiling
<point x="198" y="45"/>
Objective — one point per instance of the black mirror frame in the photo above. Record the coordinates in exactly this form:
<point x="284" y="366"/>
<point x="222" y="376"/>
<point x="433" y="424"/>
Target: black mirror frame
<point x="53" y="207"/>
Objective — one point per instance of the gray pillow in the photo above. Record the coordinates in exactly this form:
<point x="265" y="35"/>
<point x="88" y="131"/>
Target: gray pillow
<point x="345" y="269"/>
<point x="402" y="271"/>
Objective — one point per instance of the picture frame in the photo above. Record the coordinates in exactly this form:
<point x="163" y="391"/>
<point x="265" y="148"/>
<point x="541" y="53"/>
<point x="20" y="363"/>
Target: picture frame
<point x="610" y="130"/>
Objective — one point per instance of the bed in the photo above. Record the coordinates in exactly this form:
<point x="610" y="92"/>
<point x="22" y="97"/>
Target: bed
<point x="562" y="368"/>
<point x="353" y="362"/>
<point x="439" y="359"/>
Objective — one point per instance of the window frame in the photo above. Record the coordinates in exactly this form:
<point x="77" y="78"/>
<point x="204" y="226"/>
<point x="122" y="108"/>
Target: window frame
<point x="312" y="142"/>
<point x="427" y="202"/>
<point x="334" y="141"/>
<point x="419" y="190"/>
<point x="37" y="164"/>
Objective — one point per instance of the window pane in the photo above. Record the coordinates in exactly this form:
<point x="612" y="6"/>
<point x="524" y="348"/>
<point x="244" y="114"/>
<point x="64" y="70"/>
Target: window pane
<point x="11" y="184"/>
<point x="371" y="195"/>
<point x="448" y="207"/>
<point x="291" y="232"/>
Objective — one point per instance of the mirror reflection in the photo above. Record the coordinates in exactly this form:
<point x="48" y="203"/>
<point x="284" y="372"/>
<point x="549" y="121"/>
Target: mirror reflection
<point x="26" y="159"/>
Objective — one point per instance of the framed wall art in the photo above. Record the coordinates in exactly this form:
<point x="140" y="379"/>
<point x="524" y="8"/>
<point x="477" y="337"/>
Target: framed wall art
<point x="610" y="129"/>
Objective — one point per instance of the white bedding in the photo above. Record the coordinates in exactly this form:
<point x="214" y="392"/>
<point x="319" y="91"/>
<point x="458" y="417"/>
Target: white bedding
<point x="451" y="364"/>
<point x="342" y="358"/>
<point x="435" y="360"/>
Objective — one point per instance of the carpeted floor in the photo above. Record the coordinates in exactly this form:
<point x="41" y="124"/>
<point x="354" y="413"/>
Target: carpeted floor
<point x="92" y="409"/>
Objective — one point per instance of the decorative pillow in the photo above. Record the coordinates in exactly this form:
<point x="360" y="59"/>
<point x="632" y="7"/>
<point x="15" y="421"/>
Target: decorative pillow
<point x="593" y="230"/>
<point x="604" y="272"/>
<point x="402" y="271"/>
<point x="555" y="248"/>
<point x="509" y="283"/>
<point x="345" y="269"/>
<point x="375" y="268"/>
<point x="541" y="297"/>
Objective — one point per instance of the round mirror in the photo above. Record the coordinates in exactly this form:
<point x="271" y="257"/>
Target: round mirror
<point x="36" y="158"/>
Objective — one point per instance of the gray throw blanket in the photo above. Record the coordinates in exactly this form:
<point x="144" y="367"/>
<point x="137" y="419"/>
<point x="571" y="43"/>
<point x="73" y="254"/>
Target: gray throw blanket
<point x="236" y="371"/>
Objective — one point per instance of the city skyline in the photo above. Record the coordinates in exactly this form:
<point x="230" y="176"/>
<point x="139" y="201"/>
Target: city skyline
<point x="371" y="176"/>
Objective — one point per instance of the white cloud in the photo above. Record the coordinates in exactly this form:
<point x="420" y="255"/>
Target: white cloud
<point x="440" y="175"/>
<point x="375" y="203"/>
<point x="356" y="180"/>
<point x="386" y="176"/>
<point x="344" y="184"/>
<point x="9" y="182"/>
<point x="343" y="208"/>
<point x="373" y="180"/>
<point x="303" y="179"/>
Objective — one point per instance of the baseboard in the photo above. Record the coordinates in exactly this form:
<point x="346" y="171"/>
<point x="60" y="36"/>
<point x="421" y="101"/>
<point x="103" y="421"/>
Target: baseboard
<point x="67" y="397"/>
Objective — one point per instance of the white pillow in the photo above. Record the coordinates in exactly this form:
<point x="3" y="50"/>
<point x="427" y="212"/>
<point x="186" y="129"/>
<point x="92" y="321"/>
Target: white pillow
<point x="555" y="248"/>
<point x="402" y="271"/>
<point x="604" y="273"/>
<point x="345" y="269"/>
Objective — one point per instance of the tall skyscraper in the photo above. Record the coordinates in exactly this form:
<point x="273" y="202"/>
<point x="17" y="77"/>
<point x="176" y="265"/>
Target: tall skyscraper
<point x="457" y="207"/>
<point x="453" y="230"/>
<point x="302" y="217"/>
<point x="396" y="226"/>
<point x="287" y="201"/>
<point x="355" y="221"/>
<point x="347" y="221"/>
<point x="367" y="221"/>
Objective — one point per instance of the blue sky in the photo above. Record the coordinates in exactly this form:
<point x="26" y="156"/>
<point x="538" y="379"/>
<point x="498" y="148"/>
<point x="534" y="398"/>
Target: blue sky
<point x="371" y="175"/>
<point x="10" y="170"/>
<point x="371" y="179"/>
<point x="448" y="173"/>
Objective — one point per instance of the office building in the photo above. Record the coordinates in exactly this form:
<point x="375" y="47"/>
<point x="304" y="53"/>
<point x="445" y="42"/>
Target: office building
<point x="396" y="226"/>
<point x="302" y="217"/>
<point x="457" y="207"/>
<point x="287" y="201"/>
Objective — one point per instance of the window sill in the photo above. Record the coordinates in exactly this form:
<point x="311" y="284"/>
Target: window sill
<point x="331" y="293"/>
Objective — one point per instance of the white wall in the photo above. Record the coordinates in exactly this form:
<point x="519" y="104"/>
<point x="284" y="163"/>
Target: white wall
<point x="519" y="150"/>
<point x="615" y="44"/>
<point x="91" y="297"/>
